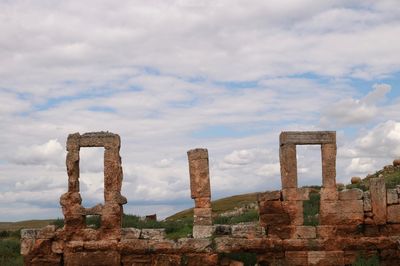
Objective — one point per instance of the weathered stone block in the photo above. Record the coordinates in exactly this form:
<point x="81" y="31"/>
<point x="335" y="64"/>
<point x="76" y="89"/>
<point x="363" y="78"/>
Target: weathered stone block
<point x="199" y="173"/>
<point x="296" y="258"/>
<point x="393" y="214"/>
<point x="269" y="195"/>
<point x="249" y="231"/>
<point x="29" y="233"/>
<point x="288" y="162"/>
<point x="345" y="230"/>
<point x="94" y="258"/>
<point x="201" y="259"/>
<point x="202" y="202"/>
<point x="351" y="194"/>
<point x="341" y="212"/>
<point x="271" y="258"/>
<point x="130" y="233"/>
<point x="295" y="211"/>
<point x="57" y="246"/>
<point x="105" y="245"/>
<point x="392" y="196"/>
<point x="378" y="199"/>
<point x="367" y="201"/>
<point x="27" y="245"/>
<point x="270" y="207"/>
<point x="328" y="154"/>
<point x="47" y="232"/>
<point x="136" y="260"/>
<point x="304" y="232"/>
<point x="233" y="245"/>
<point x="274" y="219"/>
<point x="203" y="231"/>
<point x="326" y="258"/>
<point x="307" y="137"/>
<point x="280" y="231"/>
<point x="194" y="245"/>
<point x="166" y="260"/>
<point x="329" y="194"/>
<point x="326" y="231"/>
<point x="153" y="234"/>
<point x="295" y="194"/>
<point x="202" y="216"/>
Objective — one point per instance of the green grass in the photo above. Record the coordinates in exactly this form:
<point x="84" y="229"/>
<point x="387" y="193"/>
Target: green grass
<point x="392" y="179"/>
<point x="173" y="229"/>
<point x="249" y="216"/>
<point x="311" y="208"/>
<point x="9" y="252"/>
<point x="362" y="260"/>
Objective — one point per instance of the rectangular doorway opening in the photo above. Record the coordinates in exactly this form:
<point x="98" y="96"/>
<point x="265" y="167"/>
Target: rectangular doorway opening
<point x="309" y="172"/>
<point x="91" y="179"/>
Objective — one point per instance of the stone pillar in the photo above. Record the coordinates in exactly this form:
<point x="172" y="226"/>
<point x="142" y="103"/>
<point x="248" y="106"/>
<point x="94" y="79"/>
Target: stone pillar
<point x="378" y="200"/>
<point x="200" y="192"/>
<point x="113" y="211"/>
<point x="328" y="154"/>
<point x="288" y="161"/>
<point x="73" y="211"/>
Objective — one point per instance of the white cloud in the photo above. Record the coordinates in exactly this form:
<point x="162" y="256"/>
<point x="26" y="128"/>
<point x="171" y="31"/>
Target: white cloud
<point x="362" y="166"/>
<point x="241" y="157"/>
<point x="164" y="75"/>
<point x="269" y="170"/>
<point x="356" y="111"/>
<point x="382" y="140"/>
<point x="49" y="153"/>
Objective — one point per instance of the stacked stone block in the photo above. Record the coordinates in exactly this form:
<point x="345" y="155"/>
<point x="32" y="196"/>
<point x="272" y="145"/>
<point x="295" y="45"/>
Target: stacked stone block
<point x="393" y="208"/>
<point x="201" y="192"/>
<point x="352" y="222"/>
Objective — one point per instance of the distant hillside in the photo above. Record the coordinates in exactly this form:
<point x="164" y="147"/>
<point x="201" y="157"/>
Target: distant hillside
<point x="220" y="206"/>
<point x="390" y="173"/>
<point x="14" y="226"/>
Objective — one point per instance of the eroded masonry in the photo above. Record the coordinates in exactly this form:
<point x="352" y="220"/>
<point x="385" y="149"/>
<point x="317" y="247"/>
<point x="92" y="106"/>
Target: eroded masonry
<point x="351" y="222"/>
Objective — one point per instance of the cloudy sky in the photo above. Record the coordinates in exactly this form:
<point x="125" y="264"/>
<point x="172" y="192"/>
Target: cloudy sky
<point x="169" y="76"/>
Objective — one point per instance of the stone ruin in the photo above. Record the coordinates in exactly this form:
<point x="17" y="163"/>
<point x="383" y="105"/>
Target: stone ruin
<point x="351" y="222"/>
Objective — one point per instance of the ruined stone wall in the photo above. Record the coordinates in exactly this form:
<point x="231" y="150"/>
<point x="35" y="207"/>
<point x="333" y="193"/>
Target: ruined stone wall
<point x="351" y="222"/>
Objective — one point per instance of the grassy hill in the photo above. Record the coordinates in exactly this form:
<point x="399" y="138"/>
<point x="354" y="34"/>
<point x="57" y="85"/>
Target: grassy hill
<point x="14" y="226"/>
<point x="390" y="173"/>
<point x="219" y="206"/>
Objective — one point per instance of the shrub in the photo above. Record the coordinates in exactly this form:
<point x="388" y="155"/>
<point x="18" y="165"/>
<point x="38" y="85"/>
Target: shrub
<point x="9" y="252"/>
<point x="248" y="216"/>
<point x="311" y="209"/>
<point x="361" y="260"/>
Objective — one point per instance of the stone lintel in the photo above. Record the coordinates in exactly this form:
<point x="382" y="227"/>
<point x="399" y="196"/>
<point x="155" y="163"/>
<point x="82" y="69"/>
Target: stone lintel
<point x="93" y="139"/>
<point x="99" y="139"/>
<point x="307" y="137"/>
